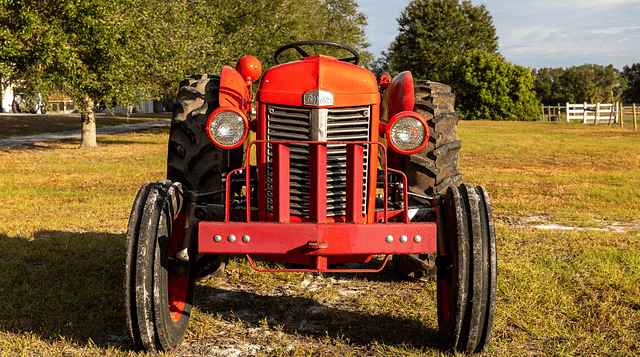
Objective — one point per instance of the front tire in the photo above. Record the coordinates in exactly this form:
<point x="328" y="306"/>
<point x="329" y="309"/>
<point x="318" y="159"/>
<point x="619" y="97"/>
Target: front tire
<point x="467" y="270"/>
<point x="158" y="289"/>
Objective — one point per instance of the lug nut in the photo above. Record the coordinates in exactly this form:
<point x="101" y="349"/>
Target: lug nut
<point x="246" y="238"/>
<point x="417" y="239"/>
<point x="389" y="239"/>
<point x="231" y="238"/>
<point x="403" y="239"/>
<point x="217" y="238"/>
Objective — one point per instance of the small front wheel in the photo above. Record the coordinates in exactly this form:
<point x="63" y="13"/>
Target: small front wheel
<point x="467" y="270"/>
<point x="158" y="287"/>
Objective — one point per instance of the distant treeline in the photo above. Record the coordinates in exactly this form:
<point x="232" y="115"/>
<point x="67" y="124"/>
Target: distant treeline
<point x="587" y="83"/>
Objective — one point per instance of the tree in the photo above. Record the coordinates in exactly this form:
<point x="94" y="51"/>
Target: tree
<point x="488" y="87"/>
<point x="591" y="83"/>
<point x="632" y="90"/>
<point x="178" y="39"/>
<point x="587" y="83"/>
<point x="79" y="47"/>
<point x="434" y="32"/>
<point x="114" y="52"/>
<point x="546" y="85"/>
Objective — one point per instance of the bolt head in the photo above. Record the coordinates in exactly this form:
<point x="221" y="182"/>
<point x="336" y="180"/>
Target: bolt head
<point x="403" y="239"/>
<point x="246" y="238"/>
<point x="388" y="239"/>
<point x="231" y="238"/>
<point x="417" y="239"/>
<point x="217" y="238"/>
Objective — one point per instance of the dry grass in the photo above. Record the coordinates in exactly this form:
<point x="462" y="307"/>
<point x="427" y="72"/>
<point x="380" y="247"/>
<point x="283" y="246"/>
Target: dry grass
<point x="563" y="293"/>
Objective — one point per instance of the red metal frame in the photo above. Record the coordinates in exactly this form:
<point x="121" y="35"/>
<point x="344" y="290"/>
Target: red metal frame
<point x="311" y="239"/>
<point x="318" y="187"/>
<point x="355" y="182"/>
<point x="318" y="241"/>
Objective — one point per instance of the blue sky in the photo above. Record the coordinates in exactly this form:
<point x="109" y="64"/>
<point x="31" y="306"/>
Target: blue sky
<point x="562" y="33"/>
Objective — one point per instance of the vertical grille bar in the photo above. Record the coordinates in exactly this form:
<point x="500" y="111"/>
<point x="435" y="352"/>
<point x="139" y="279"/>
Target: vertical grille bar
<point x="318" y="188"/>
<point x="354" y="183"/>
<point x="281" y="183"/>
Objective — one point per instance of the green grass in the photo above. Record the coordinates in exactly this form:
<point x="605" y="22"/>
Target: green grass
<point x="560" y="293"/>
<point x="574" y="174"/>
<point x="31" y="124"/>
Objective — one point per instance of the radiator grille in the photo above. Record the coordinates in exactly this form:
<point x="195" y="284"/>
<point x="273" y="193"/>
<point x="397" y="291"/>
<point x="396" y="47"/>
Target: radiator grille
<point x="317" y="124"/>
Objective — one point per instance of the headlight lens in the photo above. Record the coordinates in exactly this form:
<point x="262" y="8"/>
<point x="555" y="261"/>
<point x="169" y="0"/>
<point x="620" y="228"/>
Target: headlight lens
<point x="227" y="128"/>
<point x="407" y="133"/>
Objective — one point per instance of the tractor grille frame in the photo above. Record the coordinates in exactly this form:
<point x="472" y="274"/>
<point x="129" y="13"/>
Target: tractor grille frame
<point x="286" y="123"/>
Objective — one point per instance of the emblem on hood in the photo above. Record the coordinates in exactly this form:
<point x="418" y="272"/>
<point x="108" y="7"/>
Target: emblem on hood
<point x="318" y="98"/>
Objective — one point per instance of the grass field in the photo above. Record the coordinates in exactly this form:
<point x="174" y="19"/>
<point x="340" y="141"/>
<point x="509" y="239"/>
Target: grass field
<point x="569" y="291"/>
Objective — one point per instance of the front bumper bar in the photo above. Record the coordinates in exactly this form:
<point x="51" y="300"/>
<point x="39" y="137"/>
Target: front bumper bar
<point x="317" y="238"/>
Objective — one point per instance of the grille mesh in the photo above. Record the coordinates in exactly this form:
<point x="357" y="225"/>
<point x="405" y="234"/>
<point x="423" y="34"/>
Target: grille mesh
<point x="295" y="124"/>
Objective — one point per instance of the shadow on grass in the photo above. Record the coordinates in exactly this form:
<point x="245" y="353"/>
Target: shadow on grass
<point x="103" y="140"/>
<point x="63" y="284"/>
<point x="305" y="316"/>
<point x="69" y="285"/>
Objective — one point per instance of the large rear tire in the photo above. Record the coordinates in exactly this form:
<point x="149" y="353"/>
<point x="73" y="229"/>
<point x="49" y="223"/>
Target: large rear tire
<point x="158" y="289"/>
<point x="467" y="270"/>
<point x="193" y="159"/>
<point x="435" y="167"/>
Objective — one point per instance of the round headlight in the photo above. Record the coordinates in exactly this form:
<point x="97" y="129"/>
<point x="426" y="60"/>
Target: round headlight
<point x="227" y="127"/>
<point x="407" y="133"/>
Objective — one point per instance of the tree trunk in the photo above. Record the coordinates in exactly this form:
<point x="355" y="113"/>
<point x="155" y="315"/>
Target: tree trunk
<point x="88" y="125"/>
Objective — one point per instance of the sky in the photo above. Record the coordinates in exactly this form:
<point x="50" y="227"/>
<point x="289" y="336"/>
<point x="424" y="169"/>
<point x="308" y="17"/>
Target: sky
<point x="538" y="33"/>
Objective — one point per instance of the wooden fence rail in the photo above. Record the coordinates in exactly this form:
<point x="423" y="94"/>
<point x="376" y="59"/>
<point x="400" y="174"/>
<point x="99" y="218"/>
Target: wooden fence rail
<point x="606" y="113"/>
<point x="593" y="112"/>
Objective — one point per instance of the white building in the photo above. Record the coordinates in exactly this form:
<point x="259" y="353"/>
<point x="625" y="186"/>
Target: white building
<point x="7" y="99"/>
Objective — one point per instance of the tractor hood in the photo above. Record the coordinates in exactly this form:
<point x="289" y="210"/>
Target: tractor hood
<point x="319" y="77"/>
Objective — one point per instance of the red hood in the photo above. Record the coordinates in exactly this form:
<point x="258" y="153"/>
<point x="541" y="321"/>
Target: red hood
<point x="351" y="85"/>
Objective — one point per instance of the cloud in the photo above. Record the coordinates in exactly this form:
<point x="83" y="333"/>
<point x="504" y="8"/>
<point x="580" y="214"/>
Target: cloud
<point x="614" y="30"/>
<point x="581" y="4"/>
<point x="574" y="31"/>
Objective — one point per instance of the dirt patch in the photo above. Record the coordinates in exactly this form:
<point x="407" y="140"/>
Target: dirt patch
<point x="543" y="222"/>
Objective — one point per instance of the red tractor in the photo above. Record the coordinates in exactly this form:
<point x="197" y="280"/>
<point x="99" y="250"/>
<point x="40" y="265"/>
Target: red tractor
<point x="344" y="167"/>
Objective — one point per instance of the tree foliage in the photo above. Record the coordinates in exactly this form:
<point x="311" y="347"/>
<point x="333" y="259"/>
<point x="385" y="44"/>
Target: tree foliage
<point x="632" y="90"/>
<point x="78" y="47"/>
<point x="178" y="39"/>
<point x="489" y="88"/>
<point x="434" y="32"/>
<point x="587" y="83"/>
<point x="116" y="51"/>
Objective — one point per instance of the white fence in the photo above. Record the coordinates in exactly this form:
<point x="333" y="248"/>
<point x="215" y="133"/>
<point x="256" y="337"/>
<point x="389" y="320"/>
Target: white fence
<point x="594" y="113"/>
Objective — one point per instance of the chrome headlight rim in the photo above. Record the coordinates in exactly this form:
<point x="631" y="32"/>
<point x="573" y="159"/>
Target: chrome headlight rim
<point x="236" y="121"/>
<point x="398" y="119"/>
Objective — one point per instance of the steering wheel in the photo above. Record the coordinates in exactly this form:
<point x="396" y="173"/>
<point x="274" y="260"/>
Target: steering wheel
<point x="355" y="59"/>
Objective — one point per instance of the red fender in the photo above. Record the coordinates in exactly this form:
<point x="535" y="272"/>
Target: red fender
<point x="233" y="90"/>
<point x="398" y="97"/>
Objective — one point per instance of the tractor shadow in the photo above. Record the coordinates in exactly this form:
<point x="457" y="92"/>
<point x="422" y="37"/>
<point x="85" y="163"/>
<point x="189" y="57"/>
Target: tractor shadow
<point x="63" y="285"/>
<point x="69" y="286"/>
<point x="343" y="319"/>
